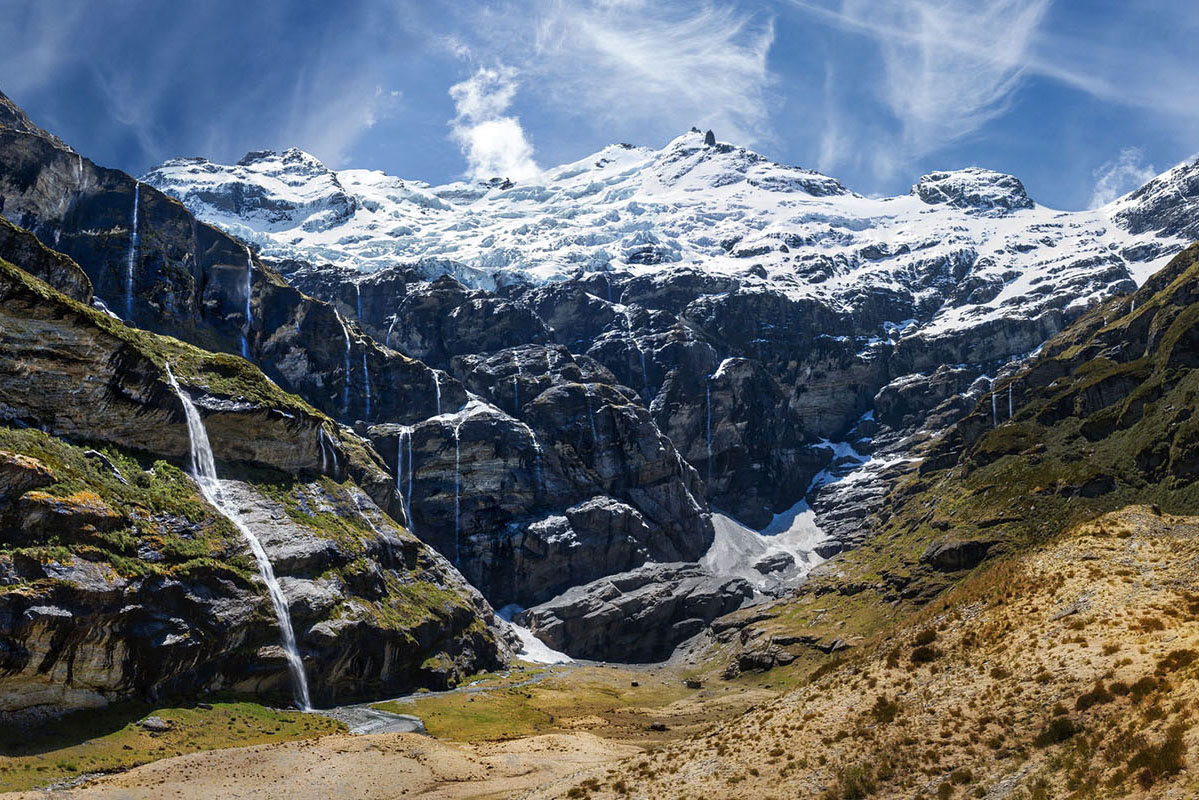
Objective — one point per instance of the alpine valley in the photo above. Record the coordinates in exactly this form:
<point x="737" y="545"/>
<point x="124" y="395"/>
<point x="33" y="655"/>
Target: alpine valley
<point x="666" y="473"/>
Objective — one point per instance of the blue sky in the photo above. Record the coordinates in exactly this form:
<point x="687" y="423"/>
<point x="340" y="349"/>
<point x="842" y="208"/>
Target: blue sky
<point x="1081" y="99"/>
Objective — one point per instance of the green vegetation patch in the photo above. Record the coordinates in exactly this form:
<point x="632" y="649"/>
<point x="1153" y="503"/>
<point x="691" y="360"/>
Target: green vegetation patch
<point x="113" y="739"/>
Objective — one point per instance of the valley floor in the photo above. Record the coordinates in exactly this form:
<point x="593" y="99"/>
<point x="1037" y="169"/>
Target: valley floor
<point x="1067" y="671"/>
<point x="370" y="767"/>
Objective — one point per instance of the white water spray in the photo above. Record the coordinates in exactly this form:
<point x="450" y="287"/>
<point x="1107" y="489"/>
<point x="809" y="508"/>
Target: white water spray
<point x="515" y="395"/>
<point x="133" y="243"/>
<point x="1010" y="413"/>
<point x="358" y="301"/>
<point x="249" y="289"/>
<point x="203" y="468"/>
<point x="437" y="388"/>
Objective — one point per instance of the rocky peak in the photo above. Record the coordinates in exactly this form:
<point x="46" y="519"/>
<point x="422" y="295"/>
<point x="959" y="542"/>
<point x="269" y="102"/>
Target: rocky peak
<point x="976" y="190"/>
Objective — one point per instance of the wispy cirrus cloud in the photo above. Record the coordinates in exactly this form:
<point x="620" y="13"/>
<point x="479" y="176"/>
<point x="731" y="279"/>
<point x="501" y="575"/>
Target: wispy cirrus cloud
<point x="1121" y="175"/>
<point x="657" y="66"/>
<point x="948" y="68"/>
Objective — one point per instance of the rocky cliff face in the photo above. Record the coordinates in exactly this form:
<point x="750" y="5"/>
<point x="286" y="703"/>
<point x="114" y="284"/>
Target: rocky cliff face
<point x="118" y="580"/>
<point x="560" y="376"/>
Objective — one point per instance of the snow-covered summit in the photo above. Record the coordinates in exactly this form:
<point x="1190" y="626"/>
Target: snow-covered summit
<point x="963" y="247"/>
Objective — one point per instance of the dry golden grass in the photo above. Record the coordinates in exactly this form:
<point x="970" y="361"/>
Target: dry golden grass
<point x="1069" y="672"/>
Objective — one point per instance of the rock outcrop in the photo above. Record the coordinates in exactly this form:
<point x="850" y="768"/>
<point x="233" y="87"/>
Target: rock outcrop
<point x="643" y="614"/>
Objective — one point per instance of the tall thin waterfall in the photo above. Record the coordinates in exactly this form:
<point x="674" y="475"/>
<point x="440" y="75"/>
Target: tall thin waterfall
<point x="538" y="474"/>
<point x="437" y="389"/>
<point x="401" y="461"/>
<point x="708" y="403"/>
<point x="644" y="373"/>
<point x="358" y="301"/>
<point x="203" y="468"/>
<point x="366" y="381"/>
<point x="457" y="487"/>
<point x="387" y="338"/>
<point x="249" y="289"/>
<point x="994" y="405"/>
<point x="1010" y="412"/>
<point x="515" y="394"/>
<point x="591" y="415"/>
<point x="134" y="238"/>
<point x="345" y="388"/>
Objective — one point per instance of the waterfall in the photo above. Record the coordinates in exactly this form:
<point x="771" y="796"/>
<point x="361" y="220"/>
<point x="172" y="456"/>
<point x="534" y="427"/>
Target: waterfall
<point x="538" y="474"/>
<point x="1133" y="310"/>
<point x="203" y="468"/>
<point x="133" y="241"/>
<point x="345" y="387"/>
<point x="515" y="395"/>
<point x="366" y="381"/>
<point x="245" y="331"/>
<point x="994" y="404"/>
<point x="644" y="374"/>
<point x="405" y="500"/>
<point x="708" y="403"/>
<point x="358" y="301"/>
<point x="437" y="388"/>
<point x="591" y="415"/>
<point x="457" y="487"/>
<point x="1010" y="413"/>
<point x="387" y="338"/>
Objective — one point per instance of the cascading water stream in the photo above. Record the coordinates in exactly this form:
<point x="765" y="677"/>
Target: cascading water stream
<point x="345" y="389"/>
<point x="387" y="339"/>
<point x="358" y="301"/>
<point x="203" y="468"/>
<point x="538" y="474"/>
<point x="457" y="486"/>
<point x="708" y="403"/>
<point x="366" y="381"/>
<point x="1010" y="413"/>
<point x="994" y="405"/>
<point x="437" y="388"/>
<point x="133" y="243"/>
<point x="591" y="415"/>
<point x="249" y="289"/>
<point x="401" y="460"/>
<point x="515" y="395"/>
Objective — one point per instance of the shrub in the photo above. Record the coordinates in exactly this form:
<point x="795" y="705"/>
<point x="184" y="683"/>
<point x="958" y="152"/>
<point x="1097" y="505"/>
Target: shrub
<point x="1057" y="731"/>
<point x="1155" y="762"/>
<point x="884" y="710"/>
<point x="1096" y="696"/>
<point x="1175" y="660"/>
<point x="926" y="636"/>
<point x="925" y="654"/>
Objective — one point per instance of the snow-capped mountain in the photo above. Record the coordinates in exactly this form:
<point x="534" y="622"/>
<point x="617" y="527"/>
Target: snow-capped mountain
<point x="963" y="247"/>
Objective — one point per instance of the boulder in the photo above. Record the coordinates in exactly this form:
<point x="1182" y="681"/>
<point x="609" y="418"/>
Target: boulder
<point x="637" y="616"/>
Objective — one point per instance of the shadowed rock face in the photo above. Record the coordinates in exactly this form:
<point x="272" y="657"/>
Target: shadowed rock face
<point x="574" y="481"/>
<point x="643" y="614"/>
<point x="78" y="632"/>
<point x="150" y="592"/>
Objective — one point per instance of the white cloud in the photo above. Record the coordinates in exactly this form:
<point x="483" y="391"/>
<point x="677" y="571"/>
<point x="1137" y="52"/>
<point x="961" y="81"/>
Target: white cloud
<point x="493" y="142"/>
<point x="948" y="67"/>
<point x="632" y="68"/>
<point x="1118" y="177"/>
